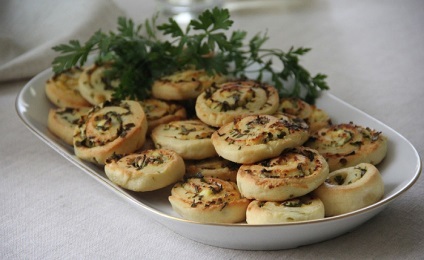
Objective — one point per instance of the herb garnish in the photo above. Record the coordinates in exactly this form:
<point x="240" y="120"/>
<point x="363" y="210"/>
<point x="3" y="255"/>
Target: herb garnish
<point x="138" y="57"/>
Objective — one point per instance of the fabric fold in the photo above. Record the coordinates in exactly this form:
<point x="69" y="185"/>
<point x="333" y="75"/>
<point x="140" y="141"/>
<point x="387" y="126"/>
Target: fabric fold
<point x="31" y="28"/>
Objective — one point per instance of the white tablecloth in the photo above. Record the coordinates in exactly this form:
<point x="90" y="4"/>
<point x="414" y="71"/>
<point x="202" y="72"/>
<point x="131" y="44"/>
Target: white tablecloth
<point x="372" y="52"/>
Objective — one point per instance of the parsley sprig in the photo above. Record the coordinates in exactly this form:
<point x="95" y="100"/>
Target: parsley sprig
<point x="138" y="55"/>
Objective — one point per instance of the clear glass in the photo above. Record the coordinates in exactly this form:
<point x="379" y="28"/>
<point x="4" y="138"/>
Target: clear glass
<point x="191" y="7"/>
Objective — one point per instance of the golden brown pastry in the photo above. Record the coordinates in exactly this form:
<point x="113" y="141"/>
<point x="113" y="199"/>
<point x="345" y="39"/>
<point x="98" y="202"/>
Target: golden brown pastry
<point x="316" y="118"/>
<point x="303" y="208"/>
<point x="216" y="167"/>
<point x="62" y="89"/>
<point x="146" y="170"/>
<point x="349" y="189"/>
<point x="62" y="122"/>
<point x="294" y="173"/>
<point x="222" y="104"/>
<point x="258" y="137"/>
<point x="112" y="127"/>
<point x="94" y="86"/>
<point x="183" y="85"/>
<point x="189" y="138"/>
<point x="208" y="200"/>
<point x="161" y="112"/>
<point x="346" y="145"/>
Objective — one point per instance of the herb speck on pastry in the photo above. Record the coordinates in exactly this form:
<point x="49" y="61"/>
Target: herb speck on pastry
<point x="216" y="167"/>
<point x="225" y="102"/>
<point x="346" y="145"/>
<point x="316" y="118"/>
<point x="257" y="137"/>
<point x="190" y="138"/>
<point x="294" y="173"/>
<point x="161" y="112"/>
<point x="351" y="188"/>
<point x="62" y="89"/>
<point x="95" y="86"/>
<point x="185" y="84"/>
<point x="62" y="122"/>
<point x="112" y="127"/>
<point x="146" y="170"/>
<point x="304" y="208"/>
<point x="208" y="200"/>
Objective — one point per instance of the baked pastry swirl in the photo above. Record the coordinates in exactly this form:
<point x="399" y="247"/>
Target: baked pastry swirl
<point x="112" y="127"/>
<point x="292" y="174"/>
<point x="189" y="138"/>
<point x="146" y="170"/>
<point x="62" y="89"/>
<point x="303" y="208"/>
<point x="208" y="200"/>
<point x="185" y="84"/>
<point x="258" y="137"/>
<point x="316" y="118"/>
<point x="94" y="86"/>
<point x="62" y="122"/>
<point x="161" y="112"/>
<point x="346" y="145"/>
<point x="351" y="188"/>
<point x="222" y="104"/>
<point x="216" y="167"/>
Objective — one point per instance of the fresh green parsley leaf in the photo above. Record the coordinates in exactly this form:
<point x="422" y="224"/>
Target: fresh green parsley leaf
<point x="138" y="56"/>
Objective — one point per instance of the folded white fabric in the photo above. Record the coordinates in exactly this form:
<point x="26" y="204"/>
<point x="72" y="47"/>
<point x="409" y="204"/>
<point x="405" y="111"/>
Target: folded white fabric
<point x="29" y="29"/>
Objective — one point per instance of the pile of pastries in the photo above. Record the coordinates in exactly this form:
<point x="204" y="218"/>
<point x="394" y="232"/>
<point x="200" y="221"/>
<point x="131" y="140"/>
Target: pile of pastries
<point x="233" y="150"/>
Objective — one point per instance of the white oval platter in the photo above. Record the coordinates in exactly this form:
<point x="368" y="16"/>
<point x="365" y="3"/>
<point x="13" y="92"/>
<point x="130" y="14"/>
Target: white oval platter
<point x="400" y="169"/>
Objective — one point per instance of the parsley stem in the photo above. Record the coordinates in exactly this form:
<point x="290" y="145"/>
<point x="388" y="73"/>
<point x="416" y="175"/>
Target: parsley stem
<point x="138" y="59"/>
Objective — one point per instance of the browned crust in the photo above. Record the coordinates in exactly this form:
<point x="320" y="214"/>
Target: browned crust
<point x="294" y="173"/>
<point x="346" y="145"/>
<point x="95" y="143"/>
<point x="220" y="105"/>
<point x="209" y="200"/>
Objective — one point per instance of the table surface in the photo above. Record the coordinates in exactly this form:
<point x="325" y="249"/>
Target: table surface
<point x="373" y="54"/>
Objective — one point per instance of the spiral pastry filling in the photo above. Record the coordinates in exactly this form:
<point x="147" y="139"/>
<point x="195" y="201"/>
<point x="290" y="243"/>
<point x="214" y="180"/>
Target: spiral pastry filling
<point x="303" y="208"/>
<point x="216" y="167"/>
<point x="296" y="107"/>
<point x="292" y="174"/>
<point x="208" y="200"/>
<point x="62" y="89"/>
<point x="111" y="127"/>
<point x="183" y="85"/>
<point x="62" y="122"/>
<point x="189" y="138"/>
<point x="258" y="137"/>
<point x="316" y="118"/>
<point x="146" y="170"/>
<point x="351" y="188"/>
<point x="346" y="145"/>
<point x="220" y="105"/>
<point x="94" y="86"/>
<point x="162" y="112"/>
